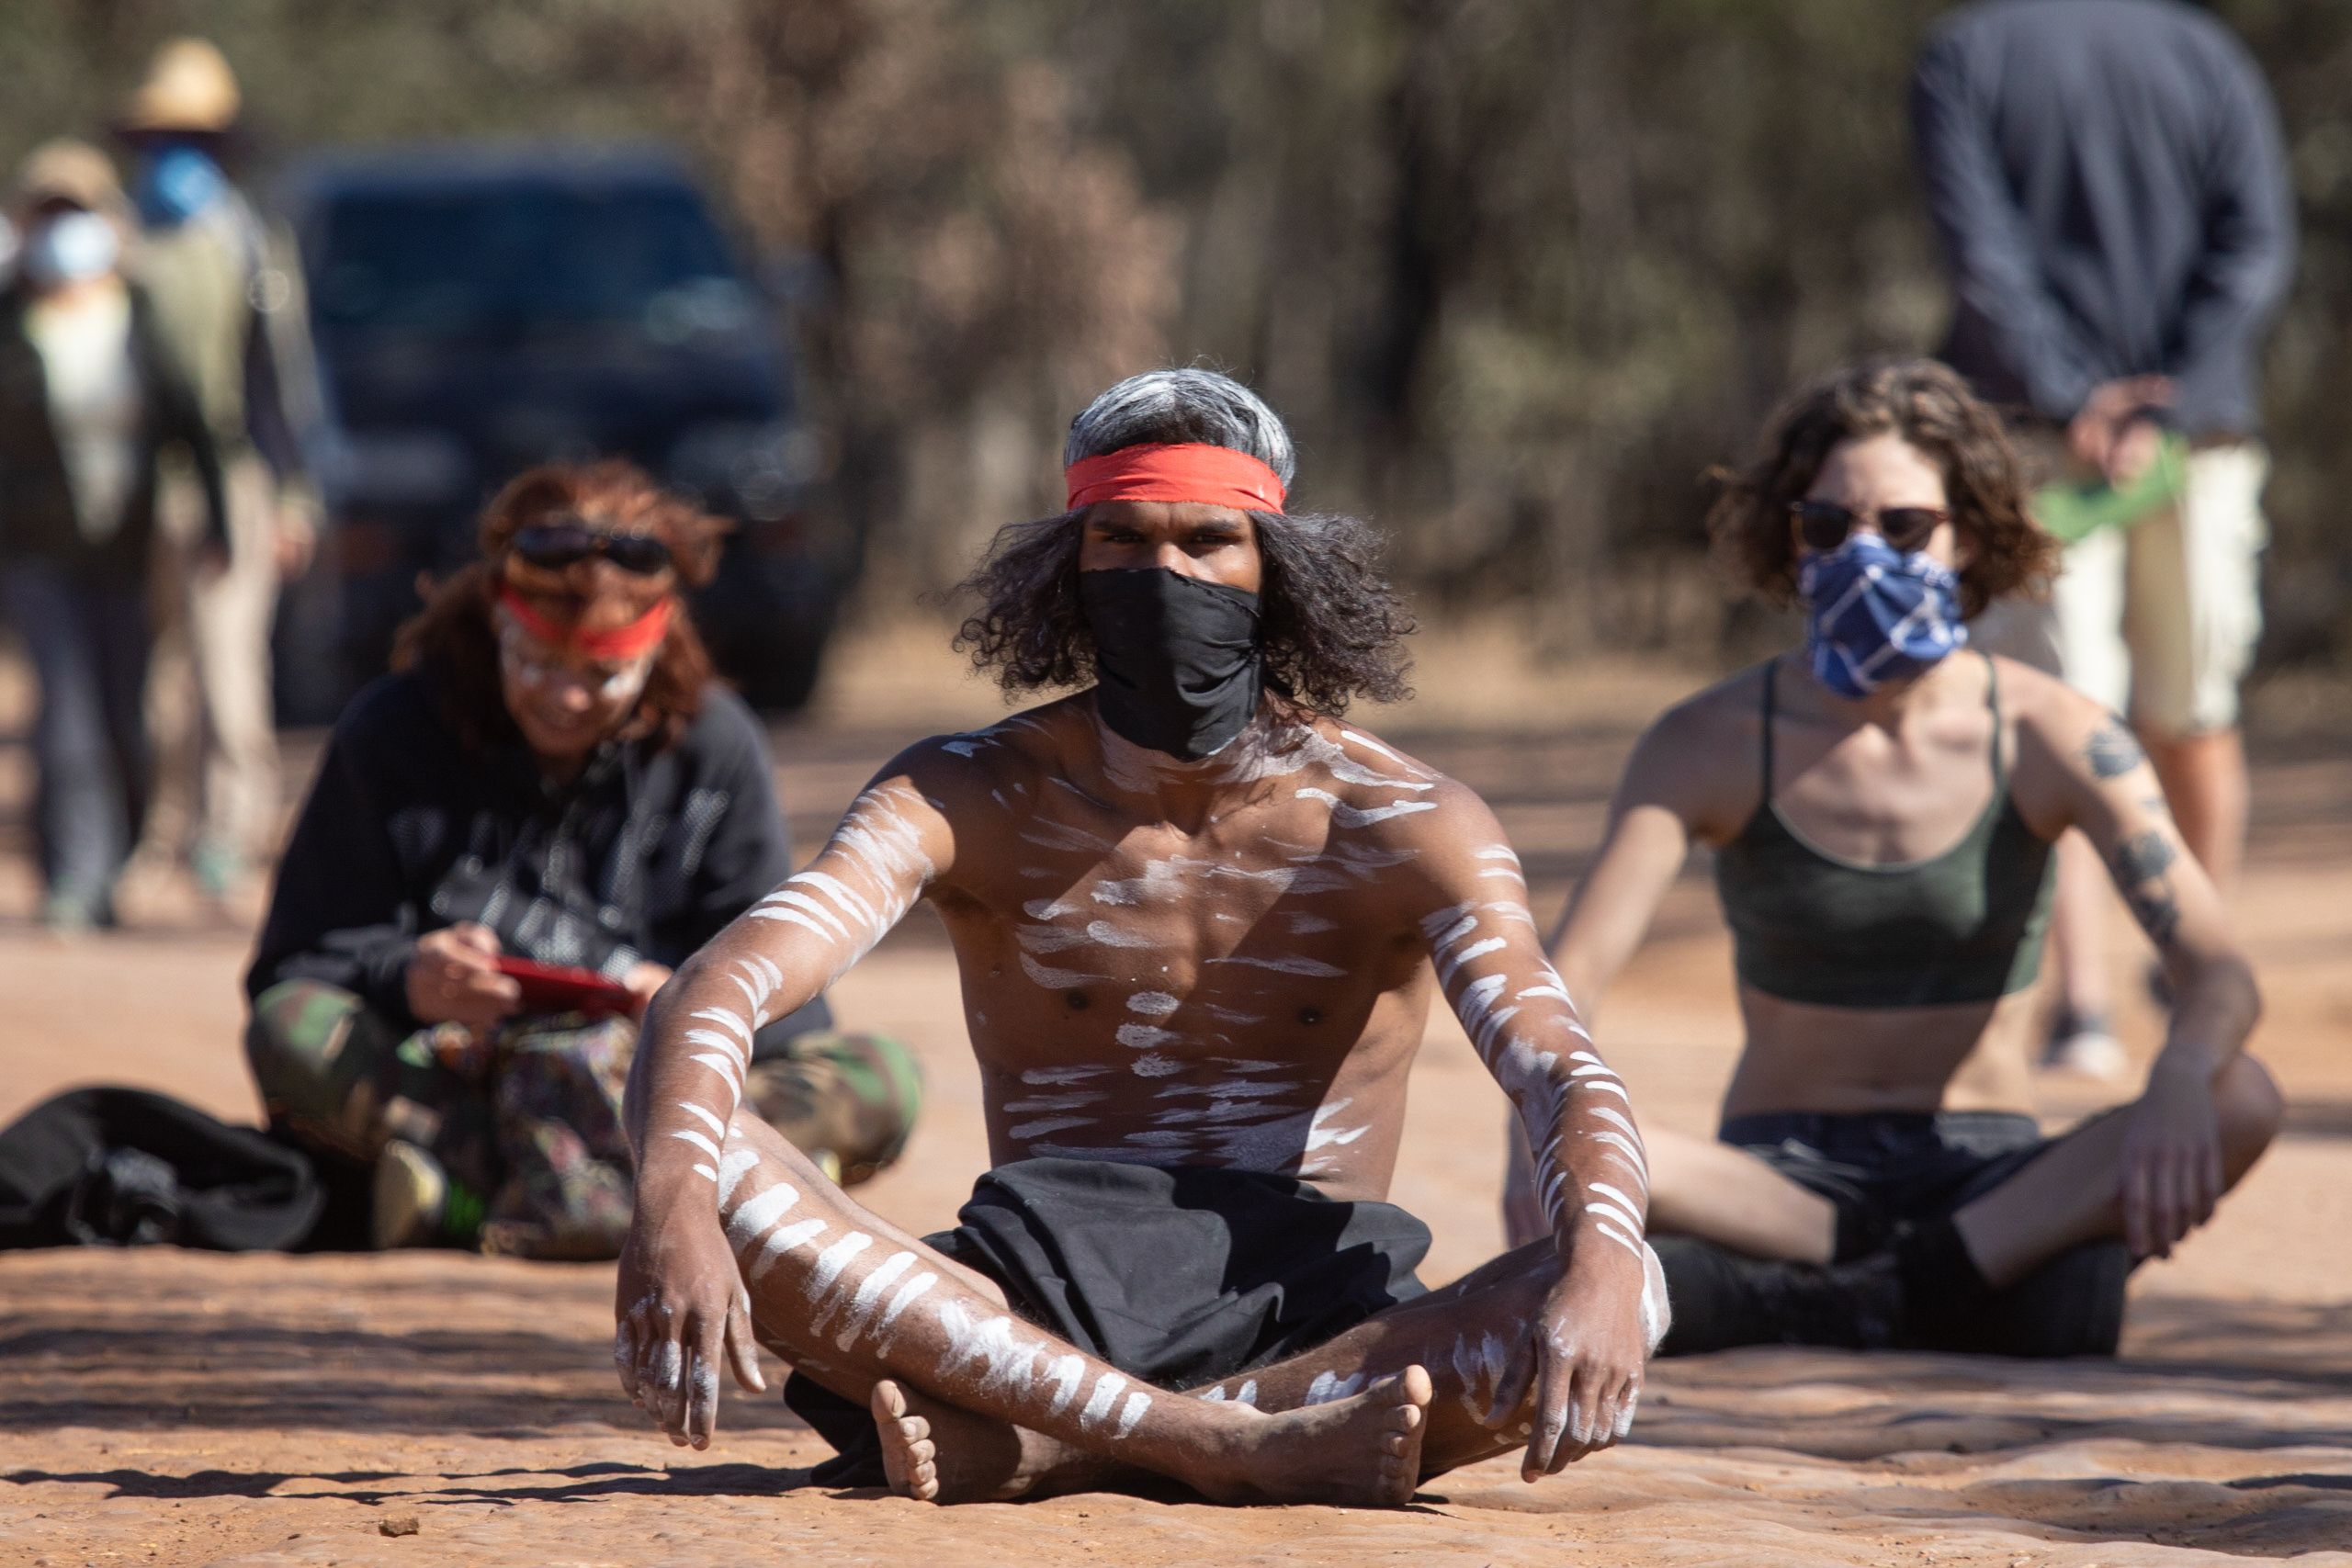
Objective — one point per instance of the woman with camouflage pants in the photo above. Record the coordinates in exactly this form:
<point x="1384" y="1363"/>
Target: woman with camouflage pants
<point x="552" y="773"/>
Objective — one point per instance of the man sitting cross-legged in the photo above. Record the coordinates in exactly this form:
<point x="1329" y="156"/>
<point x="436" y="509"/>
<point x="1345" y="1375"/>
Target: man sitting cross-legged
<point x="1192" y="913"/>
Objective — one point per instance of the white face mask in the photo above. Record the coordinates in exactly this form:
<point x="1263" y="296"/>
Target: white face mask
<point x="72" y="248"/>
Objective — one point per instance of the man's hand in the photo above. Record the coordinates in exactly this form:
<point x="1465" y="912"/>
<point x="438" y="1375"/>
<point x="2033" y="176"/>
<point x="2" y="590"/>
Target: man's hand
<point x="2134" y="452"/>
<point x="1589" y="1350"/>
<point x="454" y="978"/>
<point x="294" y="542"/>
<point x="642" y="980"/>
<point x="2172" y="1159"/>
<point x="2112" y="432"/>
<point x="679" y="1310"/>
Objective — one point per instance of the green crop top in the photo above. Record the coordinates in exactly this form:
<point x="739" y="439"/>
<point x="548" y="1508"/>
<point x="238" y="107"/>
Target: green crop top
<point x="1963" y="926"/>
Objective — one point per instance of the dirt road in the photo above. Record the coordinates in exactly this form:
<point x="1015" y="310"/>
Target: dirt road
<point x="165" y="1407"/>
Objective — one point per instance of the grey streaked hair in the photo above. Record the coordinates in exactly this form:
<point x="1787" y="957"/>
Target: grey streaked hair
<point x="1178" y="406"/>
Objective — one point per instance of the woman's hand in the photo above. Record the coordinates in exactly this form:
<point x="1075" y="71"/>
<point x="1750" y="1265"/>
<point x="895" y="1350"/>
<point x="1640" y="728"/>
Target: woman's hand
<point x="679" y="1310"/>
<point x="1589" y="1350"/>
<point x="454" y="978"/>
<point x="2172" y="1158"/>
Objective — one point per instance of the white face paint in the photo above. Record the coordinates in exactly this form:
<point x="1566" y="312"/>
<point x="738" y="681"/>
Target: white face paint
<point x="565" y="704"/>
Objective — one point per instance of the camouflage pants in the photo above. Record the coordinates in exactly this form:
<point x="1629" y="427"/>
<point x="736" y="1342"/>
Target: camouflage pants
<point x="526" y="1119"/>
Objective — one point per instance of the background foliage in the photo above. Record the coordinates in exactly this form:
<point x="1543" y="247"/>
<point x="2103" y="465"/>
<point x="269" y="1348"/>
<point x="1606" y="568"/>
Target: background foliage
<point x="1517" y="270"/>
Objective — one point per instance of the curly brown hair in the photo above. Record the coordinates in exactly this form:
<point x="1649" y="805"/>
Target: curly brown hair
<point x="1331" y="627"/>
<point x="454" y="641"/>
<point x="1931" y="408"/>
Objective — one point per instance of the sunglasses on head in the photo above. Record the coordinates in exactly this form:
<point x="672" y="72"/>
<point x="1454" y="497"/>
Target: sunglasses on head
<point x="1825" y="524"/>
<point x="551" y="546"/>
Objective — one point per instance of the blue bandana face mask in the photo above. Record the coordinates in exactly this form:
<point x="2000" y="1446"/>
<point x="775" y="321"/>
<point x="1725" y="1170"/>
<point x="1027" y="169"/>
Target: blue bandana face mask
<point x="1875" y="614"/>
<point x="174" y="184"/>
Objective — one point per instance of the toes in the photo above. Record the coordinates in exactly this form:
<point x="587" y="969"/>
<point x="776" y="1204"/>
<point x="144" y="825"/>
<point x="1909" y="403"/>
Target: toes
<point x="888" y="1402"/>
<point x="1395" y="1444"/>
<point x="1418" y="1389"/>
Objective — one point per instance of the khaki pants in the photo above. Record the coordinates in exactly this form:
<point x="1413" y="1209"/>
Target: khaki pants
<point x="209" y="701"/>
<point x="2159" y="620"/>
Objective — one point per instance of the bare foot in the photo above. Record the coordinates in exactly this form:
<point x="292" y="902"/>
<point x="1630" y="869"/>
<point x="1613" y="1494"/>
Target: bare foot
<point x="1363" y="1451"/>
<point x="937" y="1453"/>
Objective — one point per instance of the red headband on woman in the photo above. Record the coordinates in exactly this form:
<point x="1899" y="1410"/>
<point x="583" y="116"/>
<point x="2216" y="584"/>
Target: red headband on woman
<point x="1211" y="476"/>
<point x="635" y="641"/>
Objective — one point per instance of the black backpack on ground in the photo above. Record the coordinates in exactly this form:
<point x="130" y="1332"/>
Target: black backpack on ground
<point x="126" y="1168"/>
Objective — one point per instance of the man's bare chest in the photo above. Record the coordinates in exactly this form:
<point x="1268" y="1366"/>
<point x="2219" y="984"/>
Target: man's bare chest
<point x="1097" y="942"/>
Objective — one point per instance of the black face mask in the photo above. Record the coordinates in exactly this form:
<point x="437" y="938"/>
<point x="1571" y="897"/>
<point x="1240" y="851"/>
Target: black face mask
<point x="1177" y="659"/>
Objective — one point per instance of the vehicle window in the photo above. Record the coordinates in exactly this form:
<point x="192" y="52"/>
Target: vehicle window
<point x="510" y="257"/>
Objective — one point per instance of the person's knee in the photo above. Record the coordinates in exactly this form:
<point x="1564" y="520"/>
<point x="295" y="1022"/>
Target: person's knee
<point x="846" y="1101"/>
<point x="2250" y="1110"/>
<point x="297" y="1030"/>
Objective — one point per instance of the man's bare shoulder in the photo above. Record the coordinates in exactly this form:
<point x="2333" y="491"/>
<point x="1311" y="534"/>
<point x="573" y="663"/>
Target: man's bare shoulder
<point x="980" y="767"/>
<point x="1386" y="800"/>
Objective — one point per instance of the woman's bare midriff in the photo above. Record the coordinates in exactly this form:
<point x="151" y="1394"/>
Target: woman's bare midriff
<point x="1800" y="1056"/>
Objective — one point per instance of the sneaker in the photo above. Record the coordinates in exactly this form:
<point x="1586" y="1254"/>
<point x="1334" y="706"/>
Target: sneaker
<point x="2085" y="1046"/>
<point x="411" y="1191"/>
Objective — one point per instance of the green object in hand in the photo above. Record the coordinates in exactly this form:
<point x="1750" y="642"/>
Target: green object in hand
<point x="2073" y="510"/>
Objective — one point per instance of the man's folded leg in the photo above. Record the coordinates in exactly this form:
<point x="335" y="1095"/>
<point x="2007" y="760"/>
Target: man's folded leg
<point x="874" y="1314"/>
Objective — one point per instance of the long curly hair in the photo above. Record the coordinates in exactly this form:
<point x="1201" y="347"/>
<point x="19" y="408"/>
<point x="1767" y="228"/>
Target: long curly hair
<point x="454" y="639"/>
<point x="1332" y="627"/>
<point x="1928" y="406"/>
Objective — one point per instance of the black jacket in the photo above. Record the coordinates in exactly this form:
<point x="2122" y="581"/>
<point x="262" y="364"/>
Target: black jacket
<point x="2108" y="180"/>
<point x="644" y="856"/>
<point x="37" y="521"/>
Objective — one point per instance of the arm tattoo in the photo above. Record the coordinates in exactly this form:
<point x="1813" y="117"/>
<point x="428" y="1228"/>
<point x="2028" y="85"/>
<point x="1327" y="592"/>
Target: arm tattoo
<point x="2140" y="865"/>
<point x="2113" y="750"/>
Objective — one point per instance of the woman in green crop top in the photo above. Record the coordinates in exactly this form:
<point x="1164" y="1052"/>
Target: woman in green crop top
<point x="1882" y="803"/>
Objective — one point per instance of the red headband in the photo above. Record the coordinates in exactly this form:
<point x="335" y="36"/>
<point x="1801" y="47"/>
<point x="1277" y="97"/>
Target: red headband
<point x="1210" y="476"/>
<point x="635" y="641"/>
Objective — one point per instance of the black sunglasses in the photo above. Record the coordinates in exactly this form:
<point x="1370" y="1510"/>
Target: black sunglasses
<point x="551" y="546"/>
<point x="1825" y="524"/>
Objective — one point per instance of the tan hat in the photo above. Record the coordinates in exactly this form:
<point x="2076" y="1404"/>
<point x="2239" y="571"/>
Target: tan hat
<point x="71" y="170"/>
<point x="189" y="87"/>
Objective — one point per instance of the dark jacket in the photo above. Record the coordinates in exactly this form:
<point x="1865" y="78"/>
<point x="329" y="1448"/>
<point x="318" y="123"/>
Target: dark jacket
<point x="37" y="521"/>
<point x="2108" y="181"/>
<point x="644" y="856"/>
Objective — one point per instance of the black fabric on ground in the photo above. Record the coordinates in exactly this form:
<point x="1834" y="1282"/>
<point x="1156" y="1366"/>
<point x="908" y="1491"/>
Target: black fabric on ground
<point x="1178" y="1276"/>
<point x="127" y="1166"/>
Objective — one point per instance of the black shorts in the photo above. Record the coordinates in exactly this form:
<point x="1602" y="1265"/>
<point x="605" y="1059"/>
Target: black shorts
<point x="1883" y="1167"/>
<point x="1178" y="1276"/>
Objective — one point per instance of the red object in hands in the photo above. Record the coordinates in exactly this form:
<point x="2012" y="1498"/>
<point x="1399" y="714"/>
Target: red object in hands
<point x="560" y="987"/>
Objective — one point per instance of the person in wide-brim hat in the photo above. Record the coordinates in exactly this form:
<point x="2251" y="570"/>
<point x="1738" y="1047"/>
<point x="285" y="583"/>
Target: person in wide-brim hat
<point x="188" y="91"/>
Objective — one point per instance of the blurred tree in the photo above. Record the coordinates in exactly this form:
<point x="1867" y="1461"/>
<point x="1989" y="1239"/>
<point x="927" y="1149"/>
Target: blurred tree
<point x="1518" y="271"/>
